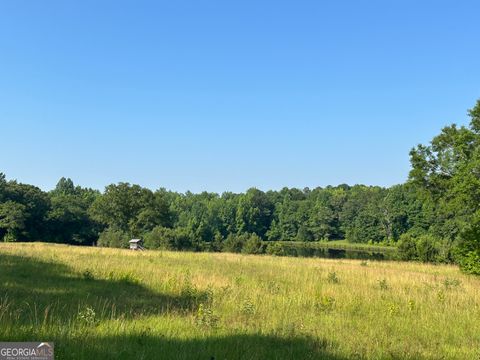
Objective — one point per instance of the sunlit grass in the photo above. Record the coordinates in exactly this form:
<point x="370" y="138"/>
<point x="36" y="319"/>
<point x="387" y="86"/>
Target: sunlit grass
<point x="108" y="303"/>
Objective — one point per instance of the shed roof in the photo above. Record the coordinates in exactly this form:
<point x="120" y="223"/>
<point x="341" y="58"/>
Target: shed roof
<point x="135" y="240"/>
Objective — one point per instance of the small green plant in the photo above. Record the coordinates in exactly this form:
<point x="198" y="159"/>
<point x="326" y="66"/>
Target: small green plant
<point x="9" y="237"/>
<point x="188" y="288"/>
<point x="88" y="275"/>
<point x="332" y="278"/>
<point x="128" y="278"/>
<point x="273" y="287"/>
<point x="364" y="263"/>
<point x="441" y="296"/>
<point x="383" y="285"/>
<point x="393" y="309"/>
<point x="87" y="316"/>
<point x="227" y="289"/>
<point x="290" y="329"/>
<point x="248" y="308"/>
<point x="172" y="283"/>
<point x="325" y="304"/>
<point x="451" y="283"/>
<point x="205" y="317"/>
<point x="239" y="280"/>
<point x="205" y="297"/>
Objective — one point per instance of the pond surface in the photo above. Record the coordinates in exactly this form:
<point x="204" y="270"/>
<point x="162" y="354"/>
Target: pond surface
<point x="306" y="250"/>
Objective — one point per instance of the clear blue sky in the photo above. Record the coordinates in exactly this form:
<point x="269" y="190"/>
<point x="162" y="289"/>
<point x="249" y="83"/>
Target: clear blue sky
<point x="227" y="95"/>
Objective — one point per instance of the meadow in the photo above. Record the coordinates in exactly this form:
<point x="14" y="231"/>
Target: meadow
<point x="100" y="303"/>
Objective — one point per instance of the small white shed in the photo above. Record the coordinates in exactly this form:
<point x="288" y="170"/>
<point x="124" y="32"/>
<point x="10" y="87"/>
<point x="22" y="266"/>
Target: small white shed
<point x="136" y="244"/>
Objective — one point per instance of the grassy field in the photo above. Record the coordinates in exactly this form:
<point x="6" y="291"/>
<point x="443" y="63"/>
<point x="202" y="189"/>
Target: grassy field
<point x="117" y="304"/>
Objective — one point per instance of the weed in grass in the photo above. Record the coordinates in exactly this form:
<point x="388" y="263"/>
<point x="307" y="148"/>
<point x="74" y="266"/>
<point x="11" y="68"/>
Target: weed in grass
<point x="206" y="317"/>
<point x="188" y="289"/>
<point x="364" y="263"/>
<point x="441" y="296"/>
<point x="332" y="278"/>
<point x="325" y="304"/>
<point x="227" y="289"/>
<point x="207" y="296"/>
<point x="125" y="278"/>
<point x="239" y="280"/>
<point x="128" y="278"/>
<point x="411" y="305"/>
<point x="88" y="275"/>
<point x="248" y="308"/>
<point x="382" y="284"/>
<point x="393" y="309"/>
<point x="451" y="283"/>
<point x="191" y="296"/>
<point x="273" y="287"/>
<point x="87" y="316"/>
<point x="171" y="283"/>
<point x="143" y="336"/>
<point x="293" y="329"/>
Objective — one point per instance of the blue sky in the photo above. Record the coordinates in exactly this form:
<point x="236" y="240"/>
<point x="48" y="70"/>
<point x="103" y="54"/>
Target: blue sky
<point x="227" y="95"/>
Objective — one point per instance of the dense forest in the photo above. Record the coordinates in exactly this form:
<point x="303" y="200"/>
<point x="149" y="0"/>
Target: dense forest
<point x="434" y="216"/>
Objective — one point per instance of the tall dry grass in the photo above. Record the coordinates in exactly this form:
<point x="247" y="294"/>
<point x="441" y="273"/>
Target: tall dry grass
<point x="108" y="303"/>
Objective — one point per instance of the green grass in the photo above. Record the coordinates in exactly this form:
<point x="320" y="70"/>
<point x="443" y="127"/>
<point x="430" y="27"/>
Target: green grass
<point x="118" y="304"/>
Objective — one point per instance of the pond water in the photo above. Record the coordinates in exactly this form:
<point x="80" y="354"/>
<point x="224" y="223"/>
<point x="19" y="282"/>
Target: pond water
<point x="331" y="253"/>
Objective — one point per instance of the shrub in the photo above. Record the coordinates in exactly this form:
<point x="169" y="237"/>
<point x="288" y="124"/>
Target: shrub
<point x="206" y="317"/>
<point x="407" y="247"/>
<point x="470" y="263"/>
<point x="275" y="248"/>
<point x="217" y="242"/>
<point x="168" y="239"/>
<point x="160" y="238"/>
<point x="253" y="245"/>
<point x="113" y="238"/>
<point x="427" y="248"/>
<point x="10" y="237"/>
<point x="468" y="251"/>
<point x="235" y="242"/>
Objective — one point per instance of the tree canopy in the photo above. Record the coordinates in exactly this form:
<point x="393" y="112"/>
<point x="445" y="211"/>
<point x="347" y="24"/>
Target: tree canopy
<point x="434" y="216"/>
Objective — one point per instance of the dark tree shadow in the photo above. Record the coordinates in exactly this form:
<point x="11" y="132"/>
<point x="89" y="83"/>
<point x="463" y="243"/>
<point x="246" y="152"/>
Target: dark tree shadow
<point x="241" y="347"/>
<point x="32" y="287"/>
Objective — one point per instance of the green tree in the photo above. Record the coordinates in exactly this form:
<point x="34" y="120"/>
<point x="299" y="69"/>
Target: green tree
<point x="68" y="218"/>
<point x="254" y="213"/>
<point x="448" y="170"/>
<point x="113" y="238"/>
<point x="253" y="245"/>
<point x="12" y="220"/>
<point x="131" y="209"/>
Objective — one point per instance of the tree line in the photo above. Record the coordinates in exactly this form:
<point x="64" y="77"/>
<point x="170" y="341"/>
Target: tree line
<point x="434" y="216"/>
